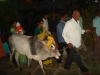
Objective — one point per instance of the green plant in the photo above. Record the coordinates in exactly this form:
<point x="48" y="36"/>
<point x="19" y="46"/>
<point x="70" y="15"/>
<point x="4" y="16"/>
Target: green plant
<point x="6" y="15"/>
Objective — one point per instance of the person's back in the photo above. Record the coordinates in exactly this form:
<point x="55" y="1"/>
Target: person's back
<point x="96" y="23"/>
<point x="96" y="29"/>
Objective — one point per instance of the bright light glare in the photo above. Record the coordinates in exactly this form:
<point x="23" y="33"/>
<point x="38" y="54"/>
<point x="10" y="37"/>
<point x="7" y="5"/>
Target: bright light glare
<point x="96" y="0"/>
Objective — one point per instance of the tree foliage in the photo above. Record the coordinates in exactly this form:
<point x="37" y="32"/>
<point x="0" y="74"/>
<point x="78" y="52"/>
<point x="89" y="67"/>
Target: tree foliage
<point x="6" y="16"/>
<point x="88" y="14"/>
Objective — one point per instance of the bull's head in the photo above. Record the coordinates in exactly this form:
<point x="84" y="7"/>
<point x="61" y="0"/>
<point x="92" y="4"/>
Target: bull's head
<point x="54" y="52"/>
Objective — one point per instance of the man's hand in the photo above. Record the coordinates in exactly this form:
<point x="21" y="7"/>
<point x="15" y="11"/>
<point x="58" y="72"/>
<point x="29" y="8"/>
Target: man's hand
<point x="95" y="40"/>
<point x="87" y="30"/>
<point x="70" y="45"/>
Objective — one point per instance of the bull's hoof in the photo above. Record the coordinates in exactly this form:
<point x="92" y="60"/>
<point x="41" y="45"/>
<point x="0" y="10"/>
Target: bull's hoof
<point x="29" y="73"/>
<point x="21" y="69"/>
<point x="10" y="66"/>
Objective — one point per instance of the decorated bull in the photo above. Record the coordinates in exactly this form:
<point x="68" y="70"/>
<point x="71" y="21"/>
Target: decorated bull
<point x="32" y="48"/>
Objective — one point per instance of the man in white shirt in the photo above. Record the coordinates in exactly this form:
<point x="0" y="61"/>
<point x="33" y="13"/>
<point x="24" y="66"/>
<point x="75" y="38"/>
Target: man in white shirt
<point x="72" y="35"/>
<point x="45" y="22"/>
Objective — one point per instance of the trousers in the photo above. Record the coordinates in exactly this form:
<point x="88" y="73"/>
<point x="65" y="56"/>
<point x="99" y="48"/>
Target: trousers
<point x="73" y="56"/>
<point x="60" y="47"/>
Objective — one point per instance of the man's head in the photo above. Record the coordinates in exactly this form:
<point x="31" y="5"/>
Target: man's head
<point x="64" y="16"/>
<point x="98" y="12"/>
<point x="39" y="23"/>
<point x="53" y="14"/>
<point x="45" y="15"/>
<point x="13" y="23"/>
<point x="76" y="15"/>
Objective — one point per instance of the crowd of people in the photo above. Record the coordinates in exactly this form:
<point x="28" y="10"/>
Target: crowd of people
<point x="66" y="31"/>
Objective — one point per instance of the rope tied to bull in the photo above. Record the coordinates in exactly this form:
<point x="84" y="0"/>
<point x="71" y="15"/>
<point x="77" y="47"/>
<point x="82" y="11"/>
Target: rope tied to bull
<point x="83" y="42"/>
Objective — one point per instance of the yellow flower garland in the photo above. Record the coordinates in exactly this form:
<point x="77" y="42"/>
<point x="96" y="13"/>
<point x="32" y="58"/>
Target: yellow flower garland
<point x="49" y="42"/>
<point x="50" y="39"/>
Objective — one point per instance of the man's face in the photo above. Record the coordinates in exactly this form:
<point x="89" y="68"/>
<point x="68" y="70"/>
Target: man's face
<point x="76" y="16"/>
<point x="14" y="24"/>
<point x="46" y="16"/>
<point x="65" y="17"/>
<point x="53" y="14"/>
<point x="40" y="24"/>
<point x="98" y="13"/>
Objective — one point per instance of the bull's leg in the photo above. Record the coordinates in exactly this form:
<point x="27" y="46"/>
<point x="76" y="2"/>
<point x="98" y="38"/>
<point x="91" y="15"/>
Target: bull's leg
<point x="40" y="62"/>
<point x="16" y="57"/>
<point x="29" y="65"/>
<point x="11" y="55"/>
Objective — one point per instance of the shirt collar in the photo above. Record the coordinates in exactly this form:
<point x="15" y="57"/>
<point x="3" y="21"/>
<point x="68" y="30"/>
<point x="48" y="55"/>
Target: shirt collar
<point x="75" y="21"/>
<point x="62" y="21"/>
<point x="98" y="17"/>
<point x="44" y="19"/>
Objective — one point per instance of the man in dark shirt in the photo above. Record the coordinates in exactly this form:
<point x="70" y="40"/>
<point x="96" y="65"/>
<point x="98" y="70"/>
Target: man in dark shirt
<point x="52" y="22"/>
<point x="61" y="41"/>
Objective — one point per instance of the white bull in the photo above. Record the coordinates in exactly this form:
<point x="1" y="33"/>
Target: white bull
<point x="32" y="48"/>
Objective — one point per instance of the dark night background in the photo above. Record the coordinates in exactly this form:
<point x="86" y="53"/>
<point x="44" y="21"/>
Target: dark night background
<point x="29" y="10"/>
